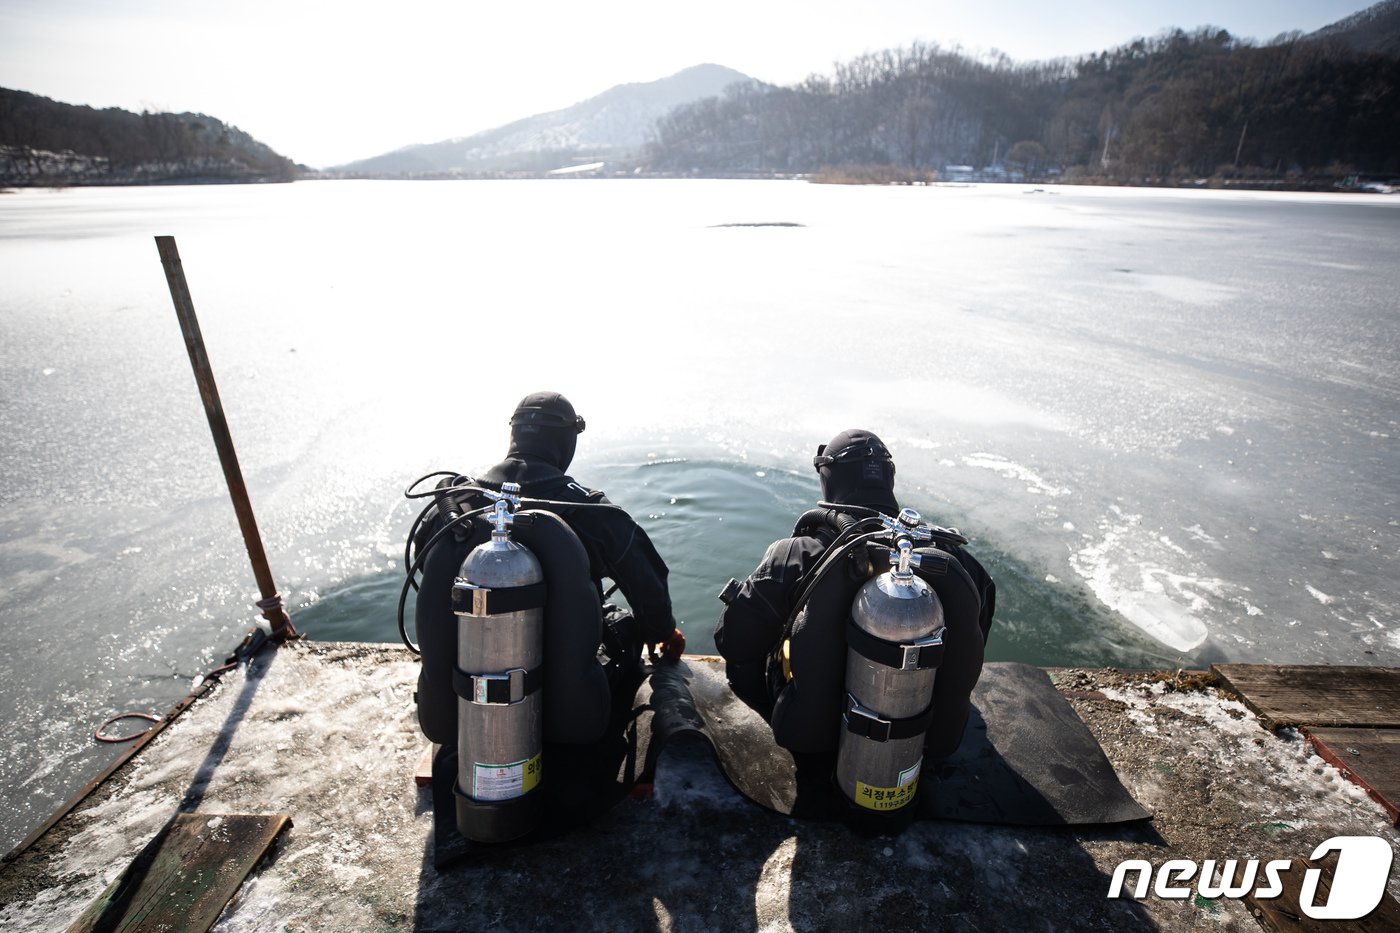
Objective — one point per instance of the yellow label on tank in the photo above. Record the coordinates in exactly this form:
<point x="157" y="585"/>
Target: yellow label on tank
<point x="890" y="798"/>
<point x="533" y="768"/>
<point x="885" y="798"/>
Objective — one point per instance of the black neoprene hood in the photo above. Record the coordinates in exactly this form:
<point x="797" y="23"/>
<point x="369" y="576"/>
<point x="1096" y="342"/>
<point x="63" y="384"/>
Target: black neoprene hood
<point x="856" y="469"/>
<point x="545" y="426"/>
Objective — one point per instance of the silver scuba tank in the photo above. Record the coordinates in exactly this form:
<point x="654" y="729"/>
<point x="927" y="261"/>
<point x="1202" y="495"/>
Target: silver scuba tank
<point x="498" y="599"/>
<point x="895" y="641"/>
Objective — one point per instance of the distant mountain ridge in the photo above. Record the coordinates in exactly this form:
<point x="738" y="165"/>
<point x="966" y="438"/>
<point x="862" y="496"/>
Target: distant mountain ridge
<point x="608" y="126"/>
<point x="1374" y="29"/>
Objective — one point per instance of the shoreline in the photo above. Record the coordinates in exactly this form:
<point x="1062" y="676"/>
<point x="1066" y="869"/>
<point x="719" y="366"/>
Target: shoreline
<point x="10" y="186"/>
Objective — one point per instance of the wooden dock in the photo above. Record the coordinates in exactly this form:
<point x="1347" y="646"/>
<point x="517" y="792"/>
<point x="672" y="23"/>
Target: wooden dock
<point x="326" y="734"/>
<point x="1351" y="715"/>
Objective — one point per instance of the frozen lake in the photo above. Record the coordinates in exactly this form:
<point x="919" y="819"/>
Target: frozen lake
<point x="1167" y="419"/>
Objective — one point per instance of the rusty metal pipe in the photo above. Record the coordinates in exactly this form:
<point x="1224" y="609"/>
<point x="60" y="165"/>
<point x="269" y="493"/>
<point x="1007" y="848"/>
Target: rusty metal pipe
<point x="271" y="602"/>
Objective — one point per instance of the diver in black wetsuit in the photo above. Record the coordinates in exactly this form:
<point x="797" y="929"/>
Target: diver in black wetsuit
<point x="856" y="470"/>
<point x="544" y="432"/>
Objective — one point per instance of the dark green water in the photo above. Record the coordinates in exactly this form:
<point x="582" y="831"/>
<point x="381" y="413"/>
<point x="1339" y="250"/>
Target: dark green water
<point x="713" y="519"/>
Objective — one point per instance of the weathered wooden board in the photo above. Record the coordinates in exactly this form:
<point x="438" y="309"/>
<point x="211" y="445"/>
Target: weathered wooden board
<point x="1283" y="914"/>
<point x="185" y="876"/>
<point x="1322" y="695"/>
<point x="1368" y="757"/>
<point x="423" y="773"/>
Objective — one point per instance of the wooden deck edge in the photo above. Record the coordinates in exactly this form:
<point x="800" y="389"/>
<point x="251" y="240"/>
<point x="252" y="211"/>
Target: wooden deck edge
<point x="1330" y="755"/>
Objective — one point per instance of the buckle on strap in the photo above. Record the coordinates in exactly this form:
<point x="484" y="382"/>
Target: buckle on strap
<point x="915" y="656"/>
<point x="498" y="688"/>
<point x="920" y="655"/>
<point x="865" y="722"/>
<point x="501" y="689"/>
<point x="868" y="724"/>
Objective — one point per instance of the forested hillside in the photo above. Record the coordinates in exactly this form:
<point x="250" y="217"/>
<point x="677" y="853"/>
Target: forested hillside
<point x="45" y="142"/>
<point x="1180" y="106"/>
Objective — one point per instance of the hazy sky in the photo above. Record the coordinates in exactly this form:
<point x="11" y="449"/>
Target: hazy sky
<point x="328" y="82"/>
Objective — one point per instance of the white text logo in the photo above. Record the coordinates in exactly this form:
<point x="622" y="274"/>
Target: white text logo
<point x="1363" y="865"/>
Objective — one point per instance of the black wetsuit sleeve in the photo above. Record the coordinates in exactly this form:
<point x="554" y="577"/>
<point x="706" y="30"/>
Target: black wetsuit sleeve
<point x="625" y="554"/>
<point x="751" y="625"/>
<point x="986" y="588"/>
<point x="641" y="574"/>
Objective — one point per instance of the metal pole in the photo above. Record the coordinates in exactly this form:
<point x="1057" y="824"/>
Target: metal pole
<point x="271" y="602"/>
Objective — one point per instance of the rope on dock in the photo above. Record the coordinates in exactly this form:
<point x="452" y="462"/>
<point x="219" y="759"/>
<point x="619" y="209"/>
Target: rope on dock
<point x="100" y="735"/>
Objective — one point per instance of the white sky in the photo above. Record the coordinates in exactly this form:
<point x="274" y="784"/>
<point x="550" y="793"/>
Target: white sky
<point x="329" y="82"/>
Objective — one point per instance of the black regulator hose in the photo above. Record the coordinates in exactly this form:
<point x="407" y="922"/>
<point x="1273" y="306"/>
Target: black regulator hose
<point x="418" y="564"/>
<point x="461" y="483"/>
<point x="940" y="534"/>
<point x="838" y="550"/>
<point x="413" y="562"/>
<point x="410" y="494"/>
<point x="852" y="537"/>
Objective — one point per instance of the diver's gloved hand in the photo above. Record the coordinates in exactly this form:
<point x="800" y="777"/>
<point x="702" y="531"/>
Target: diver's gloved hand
<point x="669" y="648"/>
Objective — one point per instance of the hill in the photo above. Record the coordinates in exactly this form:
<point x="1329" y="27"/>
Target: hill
<point x="1178" y="108"/>
<point x="1374" y="29"/>
<point x="45" y="142"/>
<point x="612" y="125"/>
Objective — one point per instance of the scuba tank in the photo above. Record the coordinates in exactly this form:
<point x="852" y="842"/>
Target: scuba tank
<point x="498" y="599"/>
<point x="895" y="643"/>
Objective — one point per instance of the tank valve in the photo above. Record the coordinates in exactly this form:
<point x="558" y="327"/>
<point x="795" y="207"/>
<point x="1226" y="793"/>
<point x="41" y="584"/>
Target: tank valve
<point x="507" y="501"/>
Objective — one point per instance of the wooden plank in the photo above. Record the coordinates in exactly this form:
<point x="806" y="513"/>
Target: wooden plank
<point x="1317" y="695"/>
<point x="185" y="876"/>
<point x="423" y="774"/>
<point x="1369" y="758"/>
<point x="1283" y="914"/>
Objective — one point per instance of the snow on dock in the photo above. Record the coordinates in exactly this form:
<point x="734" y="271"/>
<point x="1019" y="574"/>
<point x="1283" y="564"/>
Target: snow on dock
<point x="326" y="733"/>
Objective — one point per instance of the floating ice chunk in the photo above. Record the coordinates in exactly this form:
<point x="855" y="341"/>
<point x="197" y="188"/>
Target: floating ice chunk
<point x="1011" y="470"/>
<point x="1129" y="571"/>
<point x="1198" y="533"/>
<point x="1319" y="595"/>
<point x="1160" y="617"/>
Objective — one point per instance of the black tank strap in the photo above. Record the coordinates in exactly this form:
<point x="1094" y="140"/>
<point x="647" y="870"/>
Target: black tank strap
<point x="869" y="724"/>
<point x="901" y="657"/>
<point x="469" y="600"/>
<point x="497" y="689"/>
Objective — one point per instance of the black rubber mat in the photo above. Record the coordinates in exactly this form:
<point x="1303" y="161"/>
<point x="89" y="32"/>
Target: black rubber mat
<point x="1026" y="760"/>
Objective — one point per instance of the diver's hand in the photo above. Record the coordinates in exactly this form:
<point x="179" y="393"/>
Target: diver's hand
<point x="668" y="649"/>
